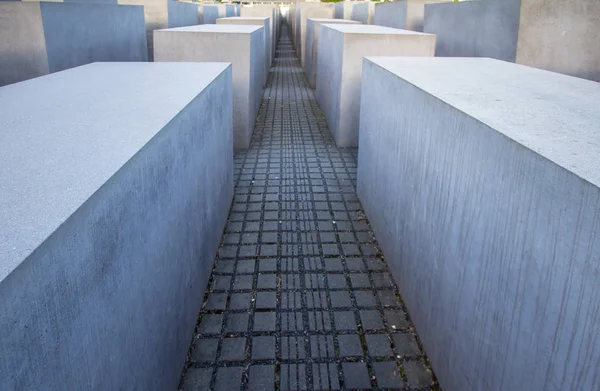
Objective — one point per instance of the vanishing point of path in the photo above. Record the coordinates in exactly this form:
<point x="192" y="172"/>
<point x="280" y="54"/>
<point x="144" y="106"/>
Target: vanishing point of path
<point x="300" y="297"/>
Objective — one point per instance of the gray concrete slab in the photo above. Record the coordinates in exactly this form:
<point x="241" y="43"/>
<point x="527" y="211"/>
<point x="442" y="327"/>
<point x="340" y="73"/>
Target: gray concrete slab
<point x="548" y="34"/>
<point x="340" y="52"/>
<point x="160" y="14"/>
<point x="41" y="38"/>
<point x="312" y="45"/>
<point x="266" y="12"/>
<point x="403" y="14"/>
<point x="259" y="21"/>
<point x="113" y="203"/>
<point x="211" y="14"/>
<point x="308" y="10"/>
<point x="493" y="226"/>
<point x="363" y="12"/>
<point x="241" y="45"/>
<point x="343" y="10"/>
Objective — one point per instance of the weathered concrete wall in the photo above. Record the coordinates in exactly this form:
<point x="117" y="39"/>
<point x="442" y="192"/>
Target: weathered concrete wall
<point x="113" y="203"/>
<point x="339" y="79"/>
<point x="548" y="34"/>
<point x="241" y="45"/>
<point x="493" y="229"/>
<point x="363" y="12"/>
<point x="41" y="38"/>
<point x="312" y="46"/>
<point x="259" y="21"/>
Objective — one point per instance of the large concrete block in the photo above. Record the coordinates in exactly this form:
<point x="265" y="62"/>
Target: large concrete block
<point x="160" y="14"/>
<point x="363" y="12"/>
<point x="404" y="14"/>
<point x="211" y="14"/>
<point x="340" y="52"/>
<point x="241" y="45"/>
<point x="343" y="10"/>
<point x="259" y="21"/>
<point x="309" y="10"/>
<point x="480" y="179"/>
<point x="116" y="181"/>
<point x="41" y="38"/>
<point x="560" y="36"/>
<point x="263" y="12"/>
<point x="312" y="45"/>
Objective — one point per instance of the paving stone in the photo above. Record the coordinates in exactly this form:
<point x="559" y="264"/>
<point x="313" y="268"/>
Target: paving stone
<point x="365" y="298"/>
<point x="261" y="378"/>
<point x="267" y="281"/>
<point x="228" y="378"/>
<point x="371" y="320"/>
<point x="245" y="266"/>
<point x="221" y="283"/>
<point x="233" y="349"/>
<point x="321" y="346"/>
<point x="336" y="281"/>
<point x="356" y="376"/>
<point x="292" y="348"/>
<point x="266" y="300"/>
<point x="205" y="350"/>
<point x="340" y="299"/>
<point x="293" y="377"/>
<point x="216" y="301"/>
<point x="350" y="345"/>
<point x="263" y="348"/>
<point x="360" y="280"/>
<point x="292" y="321"/>
<point x="417" y="374"/>
<point x="406" y="345"/>
<point x="396" y="319"/>
<point x="265" y="321"/>
<point x="197" y="379"/>
<point x="344" y="320"/>
<point x="388" y="375"/>
<point x="242" y="282"/>
<point x="379" y="345"/>
<point x="240" y="301"/>
<point x="210" y="324"/>
<point x="267" y="265"/>
<point x="237" y="323"/>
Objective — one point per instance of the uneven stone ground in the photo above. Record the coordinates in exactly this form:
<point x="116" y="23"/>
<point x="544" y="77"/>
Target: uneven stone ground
<point x="300" y="297"/>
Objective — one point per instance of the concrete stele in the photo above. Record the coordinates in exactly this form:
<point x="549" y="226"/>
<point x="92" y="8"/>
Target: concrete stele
<point x="340" y="52"/>
<point x="315" y="11"/>
<point x="404" y="14"/>
<point x="115" y="192"/>
<point x="559" y="36"/>
<point x="41" y="38"/>
<point x="363" y="12"/>
<point x="312" y="44"/>
<point x="260" y="21"/>
<point x="343" y="10"/>
<point x="264" y="11"/>
<point x="494" y="222"/>
<point x="242" y="45"/>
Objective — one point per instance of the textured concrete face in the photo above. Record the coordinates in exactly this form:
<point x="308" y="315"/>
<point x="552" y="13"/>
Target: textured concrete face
<point x="264" y="22"/>
<point x="241" y="45"/>
<point x="493" y="226"/>
<point x="113" y="203"/>
<point x="312" y="45"/>
<point x="41" y="38"/>
<point x="405" y="14"/>
<point x="340" y="52"/>
<point x="548" y="34"/>
<point x="324" y="11"/>
<point x="363" y="12"/>
<point x="160" y="14"/>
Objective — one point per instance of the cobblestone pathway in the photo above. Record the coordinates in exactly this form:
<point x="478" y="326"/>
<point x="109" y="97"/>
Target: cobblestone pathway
<point x="299" y="297"/>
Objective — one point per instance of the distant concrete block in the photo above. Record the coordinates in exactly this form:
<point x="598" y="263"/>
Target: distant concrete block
<point x="116" y="181"/>
<point x="241" y="45"/>
<point x="263" y="11"/>
<point x="363" y="12"/>
<point x="309" y="10"/>
<point x="340" y="52"/>
<point x="41" y="38"/>
<point x="480" y="179"/>
<point x="211" y="14"/>
<point x="404" y="14"/>
<point x="259" y="21"/>
<point x="563" y="37"/>
<point x="343" y="10"/>
<point x="161" y="14"/>
<point x="312" y="45"/>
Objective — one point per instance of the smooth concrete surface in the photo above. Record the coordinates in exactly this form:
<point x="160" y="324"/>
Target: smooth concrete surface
<point x="403" y="14"/>
<point x="199" y="9"/>
<point x="318" y="10"/>
<point x="343" y="10"/>
<point x="264" y="11"/>
<point x="312" y="45"/>
<point x="113" y="204"/>
<point x="41" y="38"/>
<point x="160" y="14"/>
<point x="549" y="34"/>
<point x="260" y="21"/>
<point x="241" y="45"/>
<point x="340" y="52"/>
<point x="363" y="12"/>
<point x="493" y="229"/>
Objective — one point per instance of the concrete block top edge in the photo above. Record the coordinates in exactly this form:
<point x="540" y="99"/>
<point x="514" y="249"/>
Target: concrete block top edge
<point x="334" y="21"/>
<point x="213" y="28"/>
<point x="244" y="18"/>
<point x="352" y="28"/>
<point x="555" y="115"/>
<point x="64" y="135"/>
